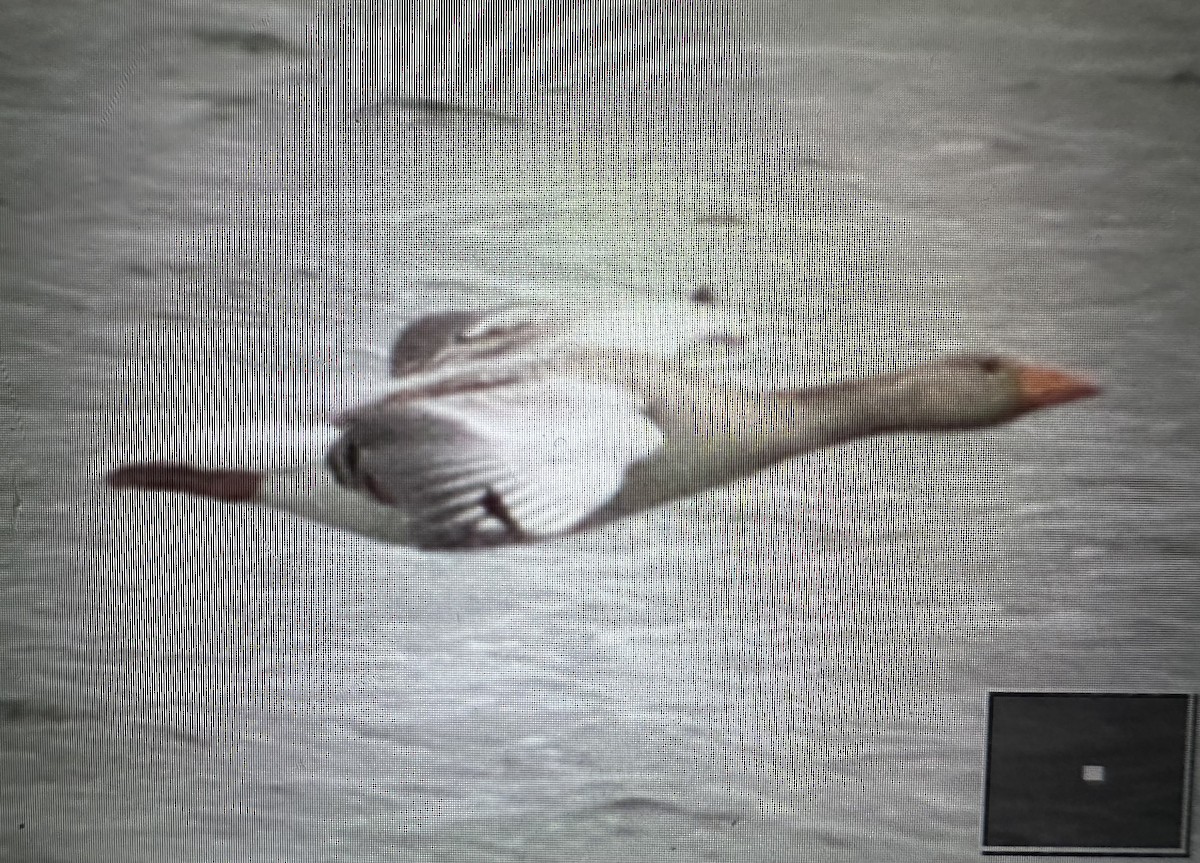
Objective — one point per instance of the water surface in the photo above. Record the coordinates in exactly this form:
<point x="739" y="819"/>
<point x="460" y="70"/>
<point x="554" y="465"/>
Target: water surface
<point x="214" y="220"/>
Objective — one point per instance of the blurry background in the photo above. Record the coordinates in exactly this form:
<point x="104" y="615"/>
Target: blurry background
<point x="215" y="215"/>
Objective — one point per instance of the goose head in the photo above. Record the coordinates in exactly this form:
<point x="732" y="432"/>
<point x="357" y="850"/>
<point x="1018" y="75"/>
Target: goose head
<point x="965" y="391"/>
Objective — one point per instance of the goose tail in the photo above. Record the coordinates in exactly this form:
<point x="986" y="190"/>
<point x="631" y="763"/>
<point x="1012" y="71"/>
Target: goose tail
<point x="234" y="486"/>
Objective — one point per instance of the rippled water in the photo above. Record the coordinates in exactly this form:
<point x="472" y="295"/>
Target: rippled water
<point x="214" y="217"/>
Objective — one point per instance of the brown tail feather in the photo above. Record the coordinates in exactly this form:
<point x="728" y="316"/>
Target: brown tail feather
<point x="229" y="485"/>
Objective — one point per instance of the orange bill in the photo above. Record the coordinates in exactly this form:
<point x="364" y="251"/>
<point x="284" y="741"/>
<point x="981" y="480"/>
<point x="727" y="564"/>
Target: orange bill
<point x="1041" y="387"/>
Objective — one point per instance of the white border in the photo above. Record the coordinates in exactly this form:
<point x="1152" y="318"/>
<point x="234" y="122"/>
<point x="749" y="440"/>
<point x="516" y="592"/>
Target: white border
<point x="1056" y="851"/>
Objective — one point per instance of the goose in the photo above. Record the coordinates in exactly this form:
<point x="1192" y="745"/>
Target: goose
<point x="513" y="426"/>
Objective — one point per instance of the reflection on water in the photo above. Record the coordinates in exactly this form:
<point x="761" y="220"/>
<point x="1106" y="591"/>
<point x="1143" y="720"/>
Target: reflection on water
<point x="213" y="237"/>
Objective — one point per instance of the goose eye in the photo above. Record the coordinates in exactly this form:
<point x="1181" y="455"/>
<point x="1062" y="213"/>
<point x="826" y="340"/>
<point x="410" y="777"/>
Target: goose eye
<point x="990" y="366"/>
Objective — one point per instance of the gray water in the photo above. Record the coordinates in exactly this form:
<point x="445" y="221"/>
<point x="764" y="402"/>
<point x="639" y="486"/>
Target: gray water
<point x="214" y="216"/>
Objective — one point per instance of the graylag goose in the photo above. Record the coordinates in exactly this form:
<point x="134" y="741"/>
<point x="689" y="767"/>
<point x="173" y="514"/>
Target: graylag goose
<point x="514" y="426"/>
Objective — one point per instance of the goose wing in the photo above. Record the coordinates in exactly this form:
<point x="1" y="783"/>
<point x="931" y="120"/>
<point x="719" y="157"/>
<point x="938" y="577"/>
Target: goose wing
<point x="453" y="339"/>
<point x="459" y="341"/>
<point x="510" y="463"/>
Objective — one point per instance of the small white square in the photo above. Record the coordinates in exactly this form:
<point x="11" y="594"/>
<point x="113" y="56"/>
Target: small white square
<point x="1093" y="773"/>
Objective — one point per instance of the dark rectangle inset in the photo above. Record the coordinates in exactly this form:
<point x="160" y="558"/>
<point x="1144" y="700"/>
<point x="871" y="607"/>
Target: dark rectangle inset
<point x="1088" y="773"/>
